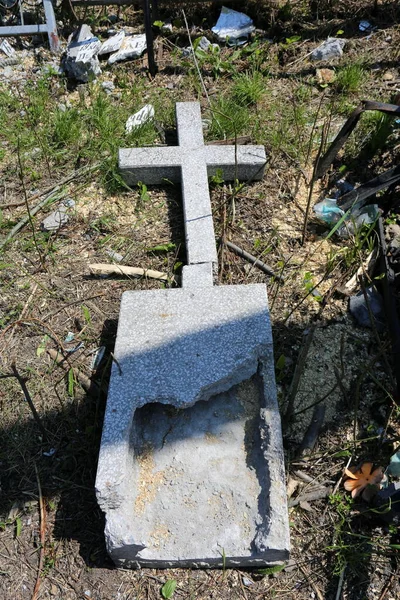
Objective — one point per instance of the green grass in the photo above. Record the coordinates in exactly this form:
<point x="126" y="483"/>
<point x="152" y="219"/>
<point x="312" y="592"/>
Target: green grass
<point x="248" y="88"/>
<point x="349" y="79"/>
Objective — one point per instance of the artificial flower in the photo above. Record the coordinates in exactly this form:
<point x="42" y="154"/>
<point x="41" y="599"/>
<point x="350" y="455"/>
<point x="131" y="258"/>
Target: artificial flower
<point x="360" y="480"/>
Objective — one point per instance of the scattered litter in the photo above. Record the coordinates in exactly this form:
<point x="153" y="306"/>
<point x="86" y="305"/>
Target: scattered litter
<point x="113" y="44"/>
<point x="359" y="310"/>
<point x="69" y="337"/>
<point x="166" y="27"/>
<point x="6" y="47"/>
<point x="325" y="76"/>
<point x="394" y="466"/>
<point x="114" y="255"/>
<point x="365" y="26"/>
<point x="331" y="48"/>
<point x="343" y="187"/>
<point x="329" y="212"/>
<point x="81" y="60"/>
<point x="132" y="46"/>
<point x="51" y="452"/>
<point x="97" y="358"/>
<point x="76" y="348"/>
<point x="247" y="582"/>
<point x="144" y="115"/>
<point x="201" y="43"/>
<point x="233" y="27"/>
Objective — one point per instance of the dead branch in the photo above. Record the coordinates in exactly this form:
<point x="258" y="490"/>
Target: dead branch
<point x="106" y="269"/>
<point x="29" y="400"/>
<point x="253" y="260"/>
<point x="62" y="362"/>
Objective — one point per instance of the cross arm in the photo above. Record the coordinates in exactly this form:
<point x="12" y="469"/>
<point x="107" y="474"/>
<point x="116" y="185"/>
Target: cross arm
<point x="150" y="165"/>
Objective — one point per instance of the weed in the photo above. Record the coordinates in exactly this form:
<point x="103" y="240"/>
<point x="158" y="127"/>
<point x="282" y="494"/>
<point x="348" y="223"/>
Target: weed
<point x="349" y="79"/>
<point x="248" y="88"/>
<point x="228" y="118"/>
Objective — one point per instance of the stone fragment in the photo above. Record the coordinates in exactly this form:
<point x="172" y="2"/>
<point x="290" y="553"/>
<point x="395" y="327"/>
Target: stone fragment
<point x="331" y="48"/>
<point x="132" y="46"/>
<point x="58" y="218"/>
<point x="80" y="61"/>
<point x="325" y="76"/>
<point x="144" y="115"/>
<point x="113" y="44"/>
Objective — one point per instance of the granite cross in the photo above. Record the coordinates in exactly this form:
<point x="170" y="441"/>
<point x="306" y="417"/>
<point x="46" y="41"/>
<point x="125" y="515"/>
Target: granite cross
<point x="191" y="163"/>
<point x="177" y="487"/>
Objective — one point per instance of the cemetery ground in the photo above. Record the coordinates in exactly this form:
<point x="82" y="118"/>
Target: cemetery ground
<point x="59" y="141"/>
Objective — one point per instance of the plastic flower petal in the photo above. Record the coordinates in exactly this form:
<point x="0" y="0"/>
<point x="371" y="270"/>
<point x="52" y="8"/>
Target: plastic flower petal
<point x="362" y="478"/>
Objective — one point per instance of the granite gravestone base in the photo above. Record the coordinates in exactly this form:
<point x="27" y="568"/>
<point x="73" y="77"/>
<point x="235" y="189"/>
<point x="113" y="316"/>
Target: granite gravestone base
<point x="191" y="470"/>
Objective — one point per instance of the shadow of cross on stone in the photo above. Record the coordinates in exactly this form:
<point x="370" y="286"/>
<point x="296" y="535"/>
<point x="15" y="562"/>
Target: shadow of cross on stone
<point x="191" y="163"/>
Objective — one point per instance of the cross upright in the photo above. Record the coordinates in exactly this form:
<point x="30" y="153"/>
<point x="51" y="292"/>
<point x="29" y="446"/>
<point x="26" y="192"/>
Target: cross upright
<point x="191" y="163"/>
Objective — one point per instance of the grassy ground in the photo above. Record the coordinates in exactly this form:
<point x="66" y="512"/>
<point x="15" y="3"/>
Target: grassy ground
<point x="268" y="90"/>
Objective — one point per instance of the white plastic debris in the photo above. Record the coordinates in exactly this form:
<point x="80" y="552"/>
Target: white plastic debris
<point x="6" y="47"/>
<point x="97" y="358"/>
<point x="51" y="452"/>
<point x="140" y="118"/>
<point x="113" y="44"/>
<point x="69" y="337"/>
<point x="331" y="48"/>
<point x="132" y="46"/>
<point x="114" y="255"/>
<point x="233" y="27"/>
<point x="81" y="60"/>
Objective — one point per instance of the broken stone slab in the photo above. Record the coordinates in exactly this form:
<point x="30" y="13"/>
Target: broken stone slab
<point x="80" y="61"/>
<point x="113" y="44"/>
<point x="132" y="46"/>
<point x="191" y="467"/>
<point x="144" y="115"/>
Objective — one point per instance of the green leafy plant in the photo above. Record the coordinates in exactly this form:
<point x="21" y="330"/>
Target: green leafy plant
<point x="168" y="589"/>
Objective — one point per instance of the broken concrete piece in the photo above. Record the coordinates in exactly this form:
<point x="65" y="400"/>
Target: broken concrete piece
<point x="81" y="60"/>
<point x="144" y="115"/>
<point x="6" y="47"/>
<point x="132" y="46"/>
<point x="331" y="48"/>
<point x="58" y="218"/>
<point x="113" y="44"/>
<point x="191" y="469"/>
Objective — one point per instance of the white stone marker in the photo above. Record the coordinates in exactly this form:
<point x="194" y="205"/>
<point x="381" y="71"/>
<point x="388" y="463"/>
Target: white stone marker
<point x="191" y="464"/>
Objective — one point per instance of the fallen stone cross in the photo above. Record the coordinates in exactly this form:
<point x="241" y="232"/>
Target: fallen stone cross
<point x="191" y="470"/>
